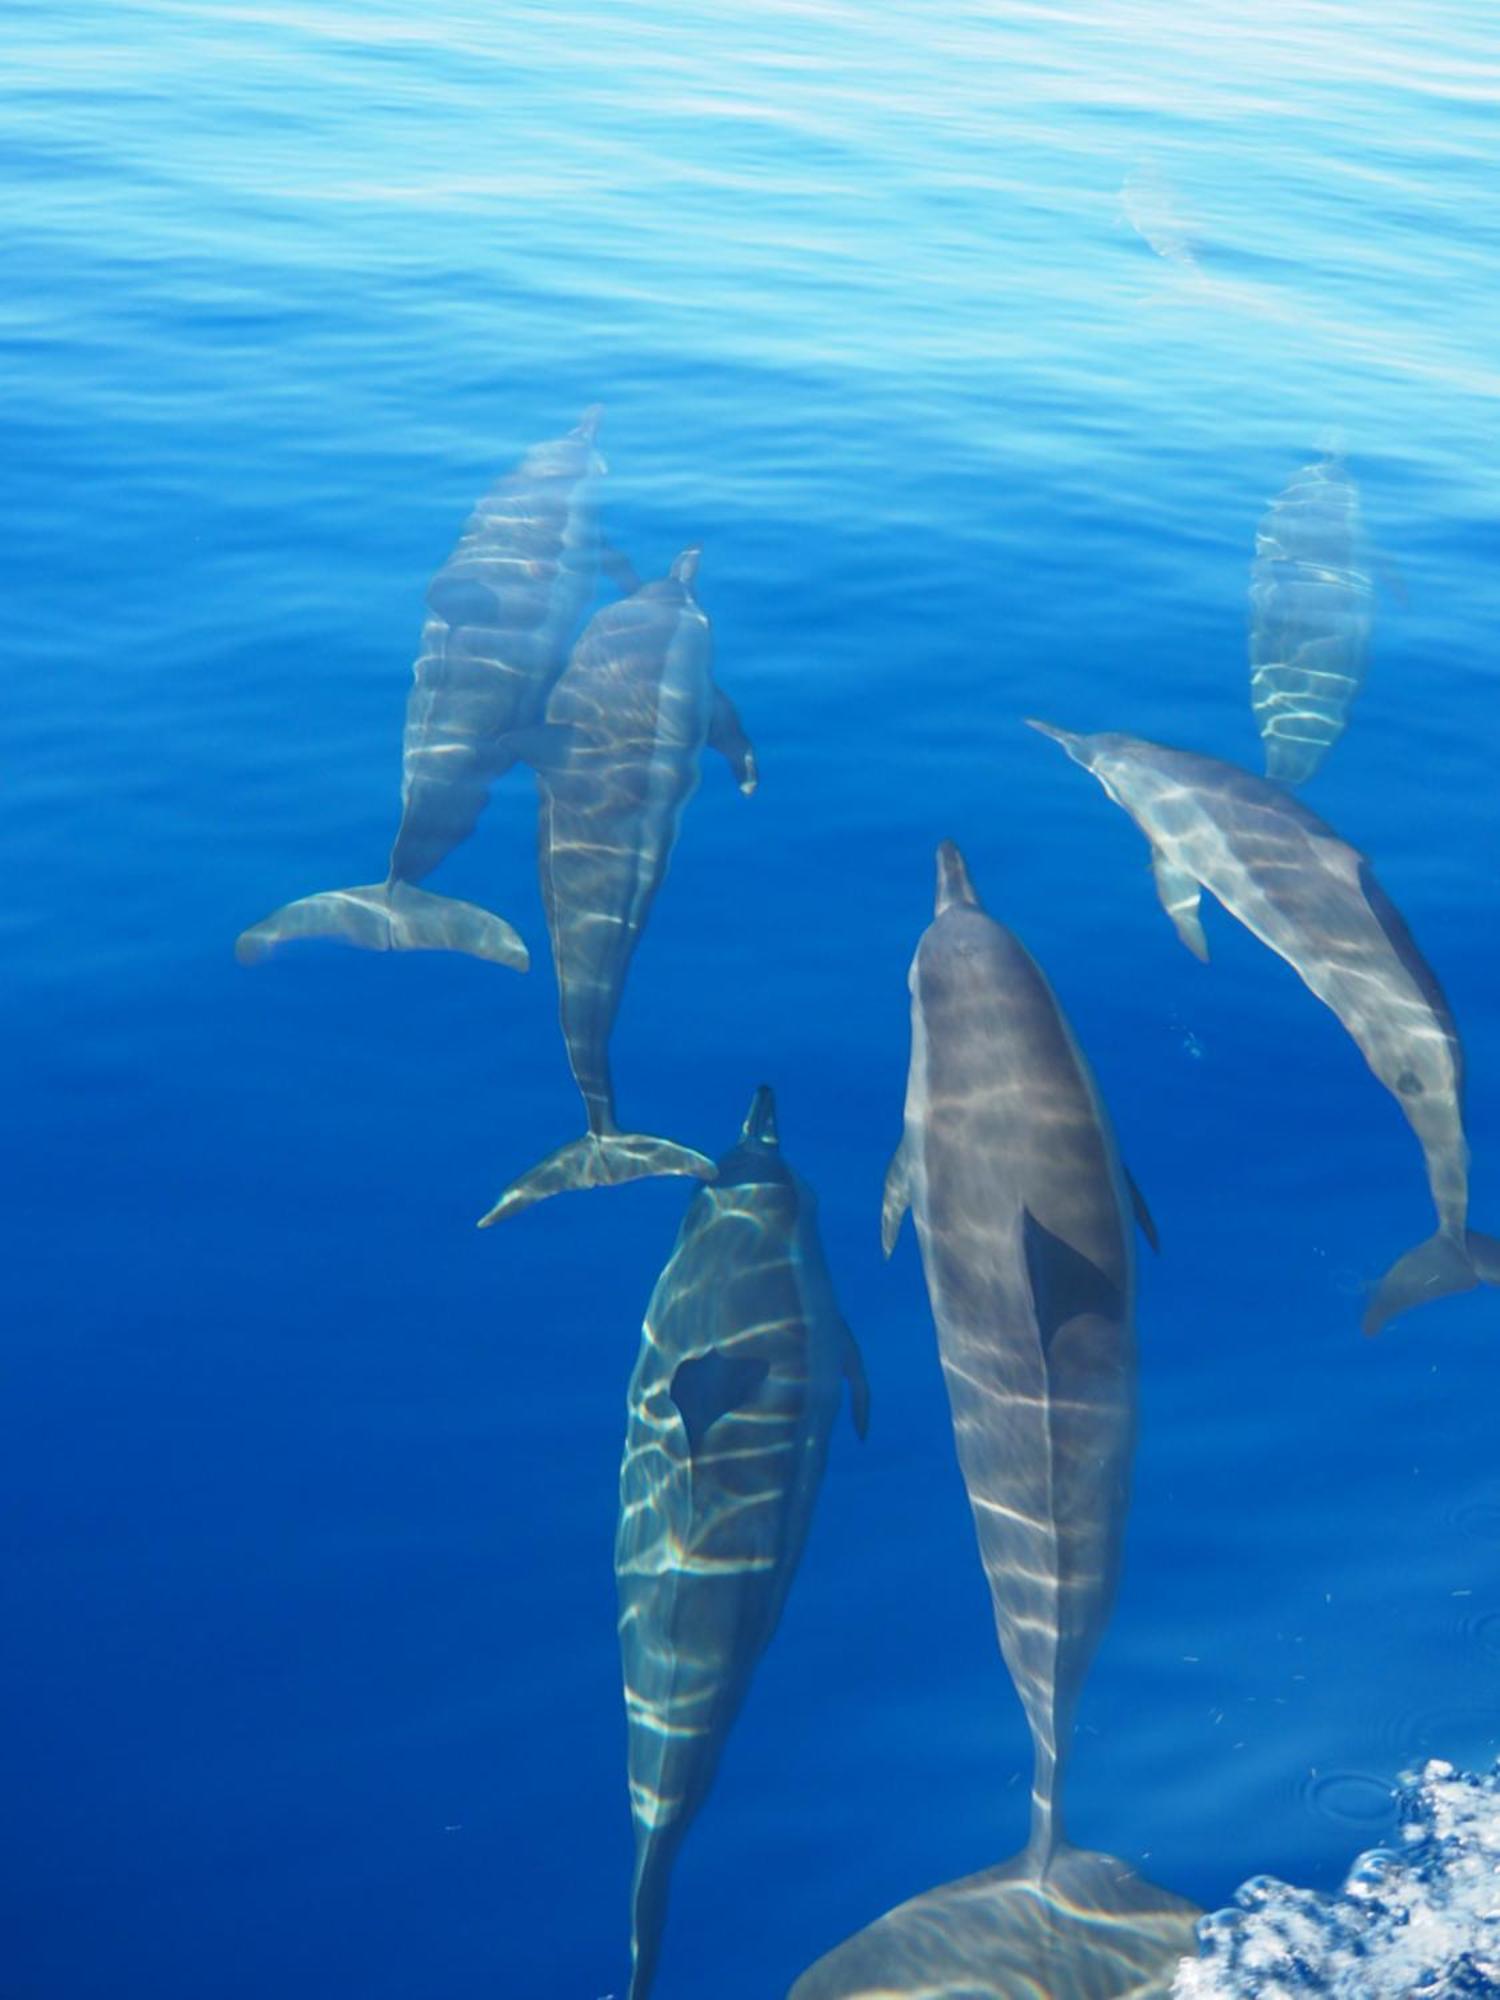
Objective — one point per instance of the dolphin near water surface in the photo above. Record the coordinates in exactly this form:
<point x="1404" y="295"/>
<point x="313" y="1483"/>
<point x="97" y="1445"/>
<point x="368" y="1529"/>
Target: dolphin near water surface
<point x="1314" y="900"/>
<point x="1024" y="1220"/>
<point x="501" y="614"/>
<point x="617" y="759"/>
<point x="1311" y="607"/>
<point x="742" y="1358"/>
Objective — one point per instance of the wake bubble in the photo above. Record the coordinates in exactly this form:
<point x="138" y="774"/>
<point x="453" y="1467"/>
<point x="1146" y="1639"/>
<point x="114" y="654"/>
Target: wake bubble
<point x="1420" y="1918"/>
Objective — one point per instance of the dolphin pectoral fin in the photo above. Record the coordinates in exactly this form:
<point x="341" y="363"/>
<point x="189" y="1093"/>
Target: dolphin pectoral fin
<point x="1180" y="893"/>
<point x="545" y="746"/>
<point x="1065" y="1285"/>
<point x="897" y="1199"/>
<point x="726" y="734"/>
<point x="1436" y="1269"/>
<point x="598" y="1159"/>
<point x="1143" y="1214"/>
<point x="388" y="916"/>
<point x="859" y="1385"/>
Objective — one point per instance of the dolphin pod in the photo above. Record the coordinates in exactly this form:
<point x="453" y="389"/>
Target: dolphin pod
<point x="1310" y="616"/>
<point x="743" y="1355"/>
<point x="1315" y="902"/>
<point x="500" y="615"/>
<point x="1024" y="1216"/>
<point x="617" y="759"/>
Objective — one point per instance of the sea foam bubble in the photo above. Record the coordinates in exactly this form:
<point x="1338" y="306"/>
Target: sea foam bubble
<point x="1420" y="1917"/>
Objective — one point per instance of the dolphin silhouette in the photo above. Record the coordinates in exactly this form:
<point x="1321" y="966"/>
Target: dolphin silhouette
<point x="1315" y="902"/>
<point x="1311" y="607"/>
<point x="500" y="615"/>
<point x="1023" y="1215"/>
<point x="617" y="760"/>
<point x="730" y="1408"/>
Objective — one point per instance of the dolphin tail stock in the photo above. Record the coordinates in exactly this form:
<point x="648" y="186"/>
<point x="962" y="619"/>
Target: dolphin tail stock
<point x="648" y="1910"/>
<point x="1444" y="1264"/>
<point x="387" y="916"/>
<point x="599" y="1159"/>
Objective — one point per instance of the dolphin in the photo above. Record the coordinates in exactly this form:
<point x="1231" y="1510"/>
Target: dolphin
<point x="1315" y="902"/>
<point x="1023" y="1214"/>
<point x="1311" y="608"/>
<point x="617" y="760"/>
<point x="500" y="615"/>
<point x="743" y="1354"/>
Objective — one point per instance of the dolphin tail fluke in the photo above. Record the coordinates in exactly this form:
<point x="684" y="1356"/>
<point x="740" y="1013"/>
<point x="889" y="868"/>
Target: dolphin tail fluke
<point x="1087" y="1925"/>
<point x="387" y="916"/>
<point x="599" y="1159"/>
<point x="1444" y="1264"/>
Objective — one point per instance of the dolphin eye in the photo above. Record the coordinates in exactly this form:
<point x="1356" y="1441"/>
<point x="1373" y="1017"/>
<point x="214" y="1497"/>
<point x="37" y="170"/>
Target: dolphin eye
<point x="1409" y="1083"/>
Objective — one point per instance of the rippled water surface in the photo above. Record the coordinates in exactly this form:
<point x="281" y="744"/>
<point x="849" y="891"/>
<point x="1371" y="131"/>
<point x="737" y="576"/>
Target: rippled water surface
<point x="971" y="345"/>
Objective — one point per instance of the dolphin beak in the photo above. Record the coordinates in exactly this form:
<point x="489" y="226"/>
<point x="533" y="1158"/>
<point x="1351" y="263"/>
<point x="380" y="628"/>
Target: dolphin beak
<point x="953" y="883"/>
<point x="760" y="1119"/>
<point x="1071" y="743"/>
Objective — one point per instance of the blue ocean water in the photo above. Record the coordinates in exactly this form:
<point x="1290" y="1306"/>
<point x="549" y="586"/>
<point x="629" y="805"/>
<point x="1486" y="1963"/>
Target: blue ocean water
<point x="310" y="1660"/>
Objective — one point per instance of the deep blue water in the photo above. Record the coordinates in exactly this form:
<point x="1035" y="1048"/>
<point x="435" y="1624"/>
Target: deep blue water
<point x="310" y="1669"/>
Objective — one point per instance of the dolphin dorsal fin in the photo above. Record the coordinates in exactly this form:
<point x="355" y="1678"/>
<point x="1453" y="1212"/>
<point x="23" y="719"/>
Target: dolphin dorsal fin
<point x="954" y="885"/>
<point x="685" y="568"/>
<point x="1065" y="1285"/>
<point x="707" y="1387"/>
<point x="760" y="1119"/>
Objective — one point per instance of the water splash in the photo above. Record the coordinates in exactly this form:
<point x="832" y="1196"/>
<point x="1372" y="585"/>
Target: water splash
<point x="1419" y="1918"/>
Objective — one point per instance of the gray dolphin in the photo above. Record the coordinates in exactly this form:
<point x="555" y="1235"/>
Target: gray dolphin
<point x="1315" y="901"/>
<point x="1311" y="607"/>
<point x="1023" y="1215"/>
<point x="730" y="1407"/>
<point x="617" y="760"/>
<point x="500" y="615"/>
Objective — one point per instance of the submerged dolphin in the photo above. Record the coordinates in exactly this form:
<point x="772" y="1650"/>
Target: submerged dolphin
<point x="500" y="615"/>
<point x="617" y="760"/>
<point x="1315" y="901"/>
<point x="1310" y="616"/>
<point x="731" y="1404"/>
<point x="1023" y="1215"/>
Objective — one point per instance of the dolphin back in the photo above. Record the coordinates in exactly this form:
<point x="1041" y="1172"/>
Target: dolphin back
<point x="1310" y="616"/>
<point x="730" y="1408"/>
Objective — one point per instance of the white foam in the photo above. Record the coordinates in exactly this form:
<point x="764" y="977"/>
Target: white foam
<point x="1418" y="1918"/>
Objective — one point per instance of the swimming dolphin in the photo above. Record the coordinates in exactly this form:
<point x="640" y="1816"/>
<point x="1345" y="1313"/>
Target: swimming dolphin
<point x="731" y="1403"/>
<point x="500" y="615"/>
<point x="617" y="760"/>
<point x="1311" y="607"/>
<point x="1023" y="1215"/>
<point x="1315" y="901"/>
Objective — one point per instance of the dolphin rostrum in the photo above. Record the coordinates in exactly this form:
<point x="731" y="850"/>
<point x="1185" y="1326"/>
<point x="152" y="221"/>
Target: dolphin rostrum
<point x="1310" y="615"/>
<point x="730" y="1407"/>
<point x="1315" y="902"/>
<point x="500" y="615"/>
<point x="617" y="760"/>
<point x="1024" y="1221"/>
